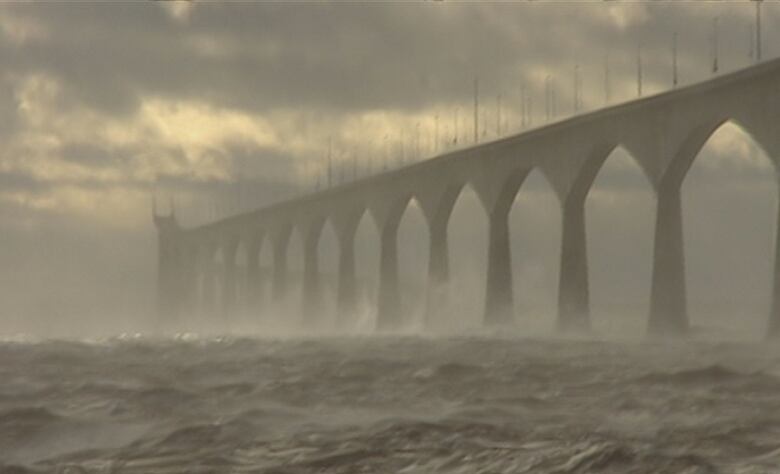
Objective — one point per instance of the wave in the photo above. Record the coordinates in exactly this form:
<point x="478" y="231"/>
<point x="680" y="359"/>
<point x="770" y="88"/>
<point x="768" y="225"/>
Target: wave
<point x="449" y="371"/>
<point x="27" y="418"/>
<point x="385" y="405"/>
<point x="713" y="376"/>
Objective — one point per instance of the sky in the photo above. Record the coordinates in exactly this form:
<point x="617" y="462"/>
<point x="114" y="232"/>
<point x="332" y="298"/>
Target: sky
<point x="225" y="107"/>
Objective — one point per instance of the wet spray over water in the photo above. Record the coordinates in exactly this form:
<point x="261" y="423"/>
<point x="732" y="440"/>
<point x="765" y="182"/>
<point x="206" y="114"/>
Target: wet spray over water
<point x="507" y="289"/>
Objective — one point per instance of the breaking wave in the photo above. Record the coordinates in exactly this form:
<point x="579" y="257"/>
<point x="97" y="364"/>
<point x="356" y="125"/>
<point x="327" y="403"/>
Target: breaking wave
<point x="387" y="405"/>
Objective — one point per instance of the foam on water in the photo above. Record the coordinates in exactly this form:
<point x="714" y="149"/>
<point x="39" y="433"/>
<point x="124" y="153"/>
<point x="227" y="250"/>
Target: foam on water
<point x="387" y="404"/>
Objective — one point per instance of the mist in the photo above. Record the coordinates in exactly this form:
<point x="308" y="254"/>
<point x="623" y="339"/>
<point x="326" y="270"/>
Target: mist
<point x="431" y="237"/>
<point x="227" y="108"/>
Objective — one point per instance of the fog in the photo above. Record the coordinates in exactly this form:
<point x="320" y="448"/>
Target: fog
<point x="223" y="108"/>
<point x="118" y="117"/>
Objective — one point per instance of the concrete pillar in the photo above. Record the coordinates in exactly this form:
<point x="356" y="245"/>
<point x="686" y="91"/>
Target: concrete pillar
<point x="347" y="285"/>
<point x="389" y="298"/>
<point x="668" y="313"/>
<point x="497" y="198"/>
<point x="773" y="327"/>
<point x="311" y="274"/>
<point x="573" y="289"/>
<point x="253" y="277"/>
<point x="209" y="281"/>
<point x="438" y="268"/>
<point x="229" y="278"/>
<point x="499" y="302"/>
<point x="437" y="207"/>
<point x="279" y="283"/>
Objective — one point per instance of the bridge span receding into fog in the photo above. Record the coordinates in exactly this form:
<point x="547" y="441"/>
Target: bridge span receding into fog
<point x="663" y="132"/>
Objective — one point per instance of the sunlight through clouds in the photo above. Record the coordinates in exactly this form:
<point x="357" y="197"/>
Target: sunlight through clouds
<point x="627" y="15"/>
<point x="228" y="107"/>
<point x="21" y="30"/>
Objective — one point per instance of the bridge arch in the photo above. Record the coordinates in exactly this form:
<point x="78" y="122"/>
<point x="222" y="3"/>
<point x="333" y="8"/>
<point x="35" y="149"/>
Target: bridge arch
<point x="239" y="312"/>
<point x="294" y="303"/>
<point x="286" y="261"/>
<point x="728" y="196"/>
<point x="619" y="209"/>
<point x="216" y="310"/>
<point x="535" y="233"/>
<point x="387" y="211"/>
<point x="251" y="294"/>
<point x="229" y="278"/>
<point x="664" y="132"/>
<point x="367" y="250"/>
<point x="265" y="275"/>
<point x="413" y="256"/>
<point x="328" y="272"/>
<point x="249" y="290"/>
<point x="345" y="286"/>
<point x="467" y="230"/>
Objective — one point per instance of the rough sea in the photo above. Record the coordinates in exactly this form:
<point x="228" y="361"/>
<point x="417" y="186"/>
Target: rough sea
<point x="388" y="405"/>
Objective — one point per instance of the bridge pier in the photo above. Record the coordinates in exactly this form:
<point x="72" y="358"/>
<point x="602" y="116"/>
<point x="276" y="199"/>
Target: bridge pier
<point x="389" y="298"/>
<point x="279" y="283"/>
<point x="346" y="298"/>
<point x="663" y="133"/>
<point x="253" y="281"/>
<point x="438" y="270"/>
<point x="229" y="278"/>
<point x="499" y="301"/>
<point x="437" y="207"/>
<point x="668" y="312"/>
<point x="497" y="201"/>
<point x="773" y="326"/>
<point x="310" y="292"/>
<point x="573" y="288"/>
<point x="209" y="281"/>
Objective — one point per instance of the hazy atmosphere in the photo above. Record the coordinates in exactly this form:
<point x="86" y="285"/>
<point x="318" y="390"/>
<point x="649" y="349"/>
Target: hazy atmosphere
<point x="557" y="255"/>
<point x="223" y="108"/>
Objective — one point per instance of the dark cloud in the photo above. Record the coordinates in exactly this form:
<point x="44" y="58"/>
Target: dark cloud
<point x="357" y="56"/>
<point x="15" y="181"/>
<point x="93" y="155"/>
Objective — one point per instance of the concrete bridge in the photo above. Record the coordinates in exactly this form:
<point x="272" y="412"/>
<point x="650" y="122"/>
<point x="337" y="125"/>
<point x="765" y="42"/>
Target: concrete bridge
<point x="664" y="133"/>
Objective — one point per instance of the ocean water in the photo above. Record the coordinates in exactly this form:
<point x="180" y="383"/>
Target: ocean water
<point x="388" y="405"/>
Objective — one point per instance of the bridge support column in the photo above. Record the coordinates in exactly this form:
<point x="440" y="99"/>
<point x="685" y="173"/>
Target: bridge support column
<point x="773" y="327"/>
<point x="253" y="281"/>
<point x="346" y="297"/>
<point x="229" y="279"/>
<point x="389" y="298"/>
<point x="573" y="290"/>
<point x="438" y="269"/>
<point x="668" y="314"/>
<point x="497" y="193"/>
<point x="437" y="206"/>
<point x="499" y="302"/>
<point x="311" y="274"/>
<point x="279" y="283"/>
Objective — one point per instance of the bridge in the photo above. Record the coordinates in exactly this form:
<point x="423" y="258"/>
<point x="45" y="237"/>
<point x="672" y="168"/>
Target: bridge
<point x="663" y="132"/>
